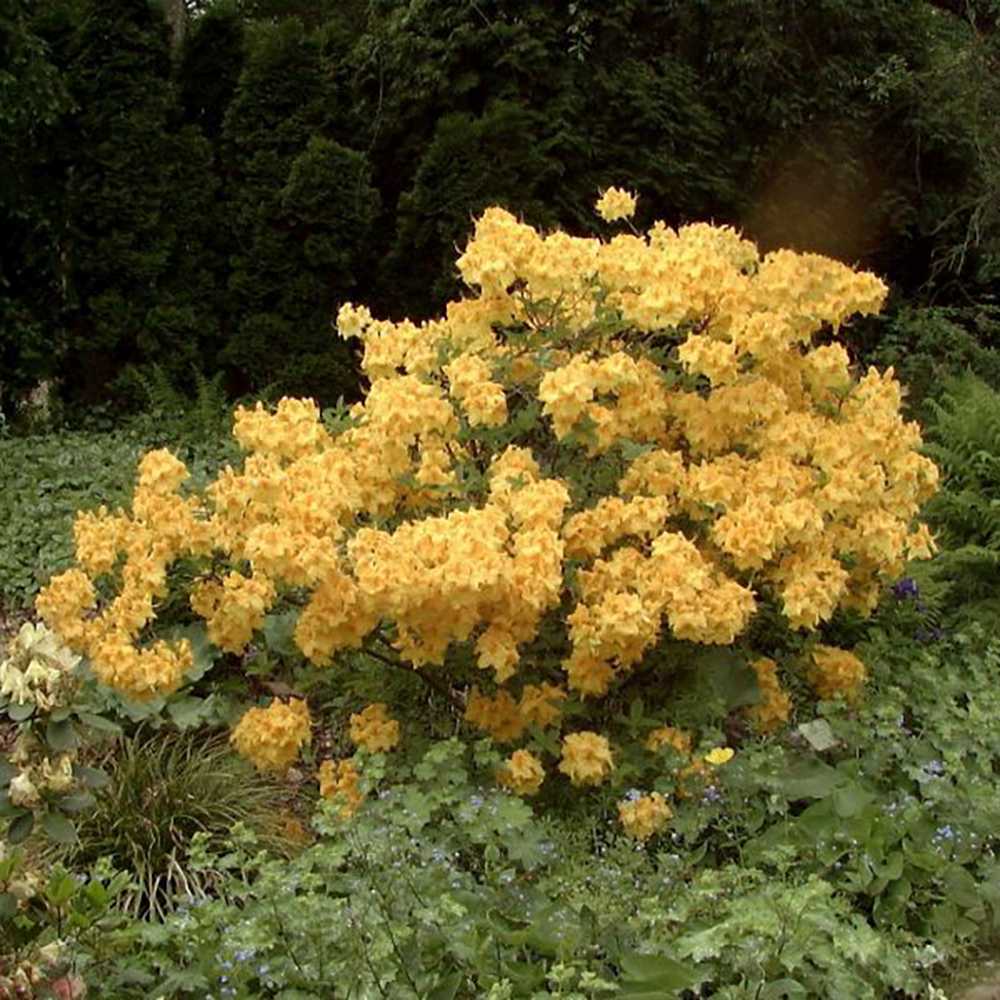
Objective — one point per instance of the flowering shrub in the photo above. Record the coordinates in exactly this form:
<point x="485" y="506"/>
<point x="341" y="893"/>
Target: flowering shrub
<point x="40" y="778"/>
<point x="610" y="448"/>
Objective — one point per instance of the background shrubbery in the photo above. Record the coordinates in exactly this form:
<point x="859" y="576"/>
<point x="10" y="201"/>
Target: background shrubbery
<point x="225" y="192"/>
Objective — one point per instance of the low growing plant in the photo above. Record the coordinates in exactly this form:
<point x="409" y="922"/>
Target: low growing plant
<point x="163" y="789"/>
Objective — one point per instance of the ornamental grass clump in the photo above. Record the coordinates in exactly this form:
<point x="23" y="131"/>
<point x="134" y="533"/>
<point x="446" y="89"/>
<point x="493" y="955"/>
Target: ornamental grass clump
<point x="610" y="450"/>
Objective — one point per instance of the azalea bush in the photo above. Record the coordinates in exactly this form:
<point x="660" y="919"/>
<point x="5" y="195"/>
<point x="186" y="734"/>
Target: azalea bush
<point x="617" y="470"/>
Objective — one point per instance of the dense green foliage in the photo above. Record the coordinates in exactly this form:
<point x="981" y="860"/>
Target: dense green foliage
<point x="180" y="225"/>
<point x="212" y="206"/>
<point x="848" y="857"/>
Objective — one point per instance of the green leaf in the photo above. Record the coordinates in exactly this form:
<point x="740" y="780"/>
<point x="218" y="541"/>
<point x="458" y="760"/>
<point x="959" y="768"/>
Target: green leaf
<point x="188" y="712"/>
<point x="8" y="905"/>
<point x="784" y="989"/>
<point x="77" y="802"/>
<point x="19" y="713"/>
<point x="59" y="828"/>
<point x="731" y="677"/>
<point x="61" y="736"/>
<point x="92" y="777"/>
<point x="279" y="632"/>
<point x="203" y="653"/>
<point x="7" y="773"/>
<point x="850" y="800"/>
<point x="20" y="828"/>
<point x="61" y="888"/>
<point x="99" y="723"/>
<point x="818" y="735"/>
<point x="652" y="975"/>
<point x="810" y="779"/>
<point x="447" y="988"/>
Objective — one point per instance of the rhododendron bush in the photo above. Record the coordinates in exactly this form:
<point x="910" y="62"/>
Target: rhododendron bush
<point x="617" y="445"/>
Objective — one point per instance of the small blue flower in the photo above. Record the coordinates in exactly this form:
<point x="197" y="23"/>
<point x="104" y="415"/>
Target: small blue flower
<point x="711" y="795"/>
<point x="905" y="588"/>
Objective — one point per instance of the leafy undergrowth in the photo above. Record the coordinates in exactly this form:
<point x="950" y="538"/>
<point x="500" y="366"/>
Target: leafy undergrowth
<point x="852" y="854"/>
<point x="48" y="478"/>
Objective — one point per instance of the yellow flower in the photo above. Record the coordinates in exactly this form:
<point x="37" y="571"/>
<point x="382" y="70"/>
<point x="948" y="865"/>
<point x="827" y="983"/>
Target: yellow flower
<point x="836" y="672"/>
<point x="271" y="737"/>
<point x="644" y="815"/>
<point x="668" y="736"/>
<point x="586" y="758"/>
<point x="616" y="203"/>
<point x="341" y="778"/>
<point x="720" y="756"/>
<point x="373" y="729"/>
<point x="775" y="705"/>
<point x="522" y="773"/>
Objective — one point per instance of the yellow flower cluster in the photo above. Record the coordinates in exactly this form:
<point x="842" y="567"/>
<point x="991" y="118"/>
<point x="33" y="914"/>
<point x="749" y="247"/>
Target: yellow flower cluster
<point x="138" y="548"/>
<point x="758" y="467"/>
<point x="341" y="778"/>
<point x="836" y="672"/>
<point x="616" y="204"/>
<point x="644" y="815"/>
<point x="373" y="729"/>
<point x="272" y="737"/>
<point x="586" y="758"/>
<point x="775" y="705"/>
<point x="522" y="773"/>
<point x="506" y="719"/>
<point x="669" y="736"/>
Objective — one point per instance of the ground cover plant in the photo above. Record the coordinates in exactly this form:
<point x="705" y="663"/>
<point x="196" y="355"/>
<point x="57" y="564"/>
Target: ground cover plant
<point x="592" y="640"/>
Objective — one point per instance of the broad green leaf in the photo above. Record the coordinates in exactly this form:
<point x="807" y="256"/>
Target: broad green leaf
<point x="61" y="736"/>
<point x="647" y="974"/>
<point x="447" y="988"/>
<point x="92" y="777"/>
<point x="818" y="735"/>
<point x="810" y="779"/>
<point x="784" y="989"/>
<point x="849" y="800"/>
<point x="59" y="828"/>
<point x="8" y="905"/>
<point x="187" y="711"/>
<point x="20" y="828"/>
<point x="77" y="802"/>
<point x="99" y="723"/>
<point x="203" y="653"/>
<point x="61" y="888"/>
<point x="279" y="631"/>
<point x="22" y="712"/>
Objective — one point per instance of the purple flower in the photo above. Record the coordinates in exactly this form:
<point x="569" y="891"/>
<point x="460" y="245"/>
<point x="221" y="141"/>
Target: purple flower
<point x="905" y="588"/>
